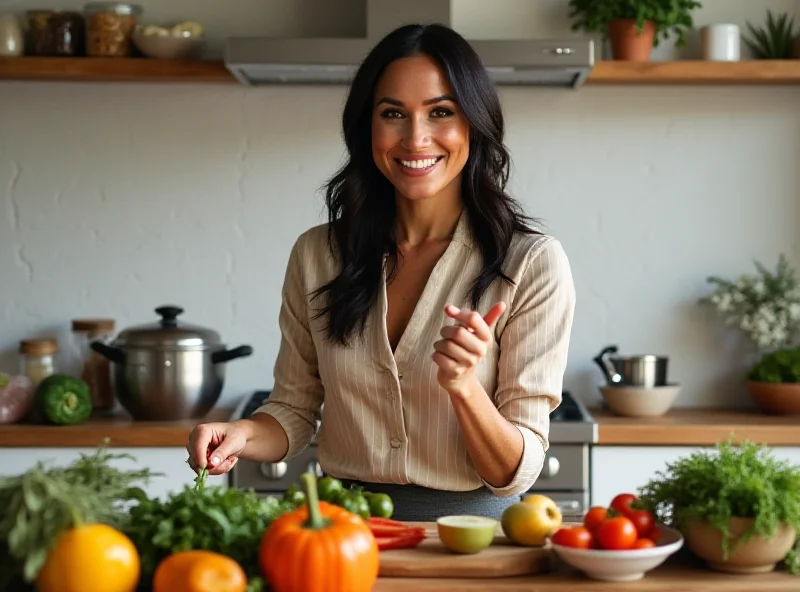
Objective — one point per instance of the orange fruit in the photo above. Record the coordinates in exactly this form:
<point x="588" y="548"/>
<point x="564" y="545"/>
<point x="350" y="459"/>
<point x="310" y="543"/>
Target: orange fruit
<point x="91" y="558"/>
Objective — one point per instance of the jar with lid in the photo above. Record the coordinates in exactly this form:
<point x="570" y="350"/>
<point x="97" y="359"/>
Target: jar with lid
<point x="95" y="370"/>
<point x="37" y="358"/>
<point x="55" y="33"/>
<point x="109" y="27"/>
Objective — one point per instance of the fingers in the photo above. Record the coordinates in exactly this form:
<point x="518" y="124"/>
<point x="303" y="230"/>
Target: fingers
<point x="224" y="466"/>
<point x="474" y="321"/>
<point x="464" y="339"/>
<point x="199" y="442"/>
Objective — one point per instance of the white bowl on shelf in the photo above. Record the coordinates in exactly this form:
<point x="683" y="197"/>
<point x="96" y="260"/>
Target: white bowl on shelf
<point x="637" y="401"/>
<point x="621" y="566"/>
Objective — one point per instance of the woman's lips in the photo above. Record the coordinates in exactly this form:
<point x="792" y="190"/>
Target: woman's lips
<point x="417" y="167"/>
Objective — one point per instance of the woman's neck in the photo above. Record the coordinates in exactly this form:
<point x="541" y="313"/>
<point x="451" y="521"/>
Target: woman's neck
<point x="425" y="221"/>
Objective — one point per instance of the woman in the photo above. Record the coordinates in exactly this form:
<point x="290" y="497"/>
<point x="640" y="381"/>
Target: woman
<point x="427" y="315"/>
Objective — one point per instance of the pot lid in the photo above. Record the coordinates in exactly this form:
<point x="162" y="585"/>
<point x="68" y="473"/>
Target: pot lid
<point x="168" y="333"/>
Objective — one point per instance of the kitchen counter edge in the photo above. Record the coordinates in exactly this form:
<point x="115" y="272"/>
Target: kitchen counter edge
<point x="692" y="426"/>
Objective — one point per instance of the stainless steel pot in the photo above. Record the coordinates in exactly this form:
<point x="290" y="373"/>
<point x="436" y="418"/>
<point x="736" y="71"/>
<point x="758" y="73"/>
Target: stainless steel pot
<point x="168" y="370"/>
<point x="645" y="371"/>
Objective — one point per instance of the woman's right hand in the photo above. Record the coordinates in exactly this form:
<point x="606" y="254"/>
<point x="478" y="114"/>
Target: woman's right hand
<point x="216" y="446"/>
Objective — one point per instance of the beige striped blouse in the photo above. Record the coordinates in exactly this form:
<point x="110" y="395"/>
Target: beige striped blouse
<point x="385" y="417"/>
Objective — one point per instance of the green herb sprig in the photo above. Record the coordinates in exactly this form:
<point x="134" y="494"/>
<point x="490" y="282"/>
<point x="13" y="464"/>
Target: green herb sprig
<point x="743" y="481"/>
<point x="226" y="520"/>
<point x="42" y="503"/>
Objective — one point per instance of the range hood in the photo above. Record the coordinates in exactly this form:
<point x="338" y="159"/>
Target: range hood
<point x="258" y="61"/>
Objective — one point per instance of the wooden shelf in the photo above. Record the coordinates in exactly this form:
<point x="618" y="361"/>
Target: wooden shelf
<point x="113" y="70"/>
<point x="697" y="72"/>
<point x="687" y="72"/>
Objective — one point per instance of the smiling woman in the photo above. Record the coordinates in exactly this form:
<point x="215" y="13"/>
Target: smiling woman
<point x="428" y="315"/>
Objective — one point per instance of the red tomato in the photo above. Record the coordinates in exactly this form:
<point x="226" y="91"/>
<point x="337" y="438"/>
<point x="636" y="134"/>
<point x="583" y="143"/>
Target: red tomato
<point x="594" y="517"/>
<point x="622" y="502"/>
<point x="577" y="537"/>
<point x="644" y="544"/>
<point x="617" y="534"/>
<point x="643" y="521"/>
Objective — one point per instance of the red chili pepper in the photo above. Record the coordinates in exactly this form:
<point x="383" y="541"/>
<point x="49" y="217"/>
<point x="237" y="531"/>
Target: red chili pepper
<point x="403" y="541"/>
<point x="386" y="521"/>
<point x="380" y="530"/>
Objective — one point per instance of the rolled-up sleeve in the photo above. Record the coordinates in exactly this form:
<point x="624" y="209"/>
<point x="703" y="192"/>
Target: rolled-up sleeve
<point x="298" y="392"/>
<point x="533" y="356"/>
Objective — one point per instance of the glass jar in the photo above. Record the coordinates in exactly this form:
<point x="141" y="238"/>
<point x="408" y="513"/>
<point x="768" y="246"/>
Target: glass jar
<point x="109" y="26"/>
<point x="37" y="360"/>
<point x="55" y="33"/>
<point x="95" y="369"/>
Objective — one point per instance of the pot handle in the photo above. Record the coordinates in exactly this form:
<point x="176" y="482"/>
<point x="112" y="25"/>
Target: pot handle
<point x="226" y="355"/>
<point x="113" y="354"/>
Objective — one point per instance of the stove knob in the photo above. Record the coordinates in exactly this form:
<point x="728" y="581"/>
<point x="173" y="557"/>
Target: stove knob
<point x="274" y="470"/>
<point x="551" y="467"/>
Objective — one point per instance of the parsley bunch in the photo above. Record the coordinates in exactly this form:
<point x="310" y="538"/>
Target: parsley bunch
<point x="743" y="481"/>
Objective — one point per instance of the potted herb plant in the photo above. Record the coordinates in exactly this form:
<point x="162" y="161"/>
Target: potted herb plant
<point x="766" y="307"/>
<point x="737" y="507"/>
<point x="634" y="27"/>
<point x="774" y="40"/>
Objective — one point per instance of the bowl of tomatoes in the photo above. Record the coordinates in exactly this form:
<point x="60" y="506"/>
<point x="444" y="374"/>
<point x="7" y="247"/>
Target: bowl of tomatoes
<point x="620" y="543"/>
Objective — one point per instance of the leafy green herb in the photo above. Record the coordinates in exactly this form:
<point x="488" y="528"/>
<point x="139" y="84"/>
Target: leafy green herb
<point x="226" y="520"/>
<point x="743" y="481"/>
<point x="42" y="503"/>
<point x="782" y="366"/>
<point x="668" y="16"/>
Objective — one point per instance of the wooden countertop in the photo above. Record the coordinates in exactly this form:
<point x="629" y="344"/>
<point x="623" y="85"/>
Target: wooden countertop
<point x="679" y="427"/>
<point x="696" y="427"/>
<point x="681" y="573"/>
<point x="120" y="429"/>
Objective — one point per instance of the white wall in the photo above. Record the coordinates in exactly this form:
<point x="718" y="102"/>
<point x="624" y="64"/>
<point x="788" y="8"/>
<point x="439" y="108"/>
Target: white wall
<point x="119" y="198"/>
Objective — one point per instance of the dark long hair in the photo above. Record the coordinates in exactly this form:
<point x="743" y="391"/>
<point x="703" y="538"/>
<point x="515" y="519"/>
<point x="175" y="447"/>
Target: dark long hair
<point x="361" y="201"/>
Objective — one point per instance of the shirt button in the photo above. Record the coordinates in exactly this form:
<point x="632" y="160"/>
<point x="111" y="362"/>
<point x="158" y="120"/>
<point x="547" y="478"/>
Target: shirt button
<point x="395" y="442"/>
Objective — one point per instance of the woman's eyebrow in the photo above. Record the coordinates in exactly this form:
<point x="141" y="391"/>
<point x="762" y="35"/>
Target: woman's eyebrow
<point x="398" y="103"/>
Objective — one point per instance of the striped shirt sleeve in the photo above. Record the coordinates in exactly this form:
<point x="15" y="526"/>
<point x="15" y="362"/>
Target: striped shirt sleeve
<point x="533" y="356"/>
<point x="298" y="392"/>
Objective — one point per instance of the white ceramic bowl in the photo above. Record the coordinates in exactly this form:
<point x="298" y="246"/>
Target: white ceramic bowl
<point x="621" y="566"/>
<point x="635" y="401"/>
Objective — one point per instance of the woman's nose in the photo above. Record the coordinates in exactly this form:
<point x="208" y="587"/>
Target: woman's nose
<point x="417" y="134"/>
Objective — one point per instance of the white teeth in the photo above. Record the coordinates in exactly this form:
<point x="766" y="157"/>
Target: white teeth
<point x="419" y="164"/>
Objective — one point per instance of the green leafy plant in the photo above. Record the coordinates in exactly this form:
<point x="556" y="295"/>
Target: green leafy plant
<point x="779" y="367"/>
<point x="227" y="520"/>
<point x="42" y="503"/>
<point x="668" y="16"/>
<point x="774" y="40"/>
<point x="743" y="481"/>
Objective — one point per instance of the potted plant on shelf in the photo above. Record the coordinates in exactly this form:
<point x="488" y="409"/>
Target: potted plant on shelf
<point x="774" y="40"/>
<point x="737" y="507"/>
<point x="766" y="307"/>
<point x="634" y="27"/>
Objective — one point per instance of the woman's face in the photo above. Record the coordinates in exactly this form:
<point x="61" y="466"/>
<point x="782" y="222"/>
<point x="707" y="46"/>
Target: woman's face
<point x="420" y="136"/>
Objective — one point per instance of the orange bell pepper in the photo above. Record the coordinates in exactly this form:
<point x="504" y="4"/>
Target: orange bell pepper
<point x="91" y="558"/>
<point x="199" y="571"/>
<point x="319" y="547"/>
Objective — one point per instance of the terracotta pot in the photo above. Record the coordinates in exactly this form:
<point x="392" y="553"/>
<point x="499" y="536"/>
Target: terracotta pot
<point x="756" y="555"/>
<point x="777" y="398"/>
<point x="627" y="43"/>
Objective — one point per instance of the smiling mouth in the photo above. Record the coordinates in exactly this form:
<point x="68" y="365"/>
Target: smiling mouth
<point x="419" y="164"/>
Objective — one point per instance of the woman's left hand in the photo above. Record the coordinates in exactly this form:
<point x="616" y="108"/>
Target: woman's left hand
<point x="463" y="345"/>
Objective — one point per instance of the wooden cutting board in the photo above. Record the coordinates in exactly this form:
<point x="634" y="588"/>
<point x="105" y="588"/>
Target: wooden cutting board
<point x="431" y="559"/>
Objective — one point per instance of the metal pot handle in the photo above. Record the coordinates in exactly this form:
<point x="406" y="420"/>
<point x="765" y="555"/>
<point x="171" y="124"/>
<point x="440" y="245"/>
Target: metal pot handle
<point x="226" y="355"/>
<point x="113" y="354"/>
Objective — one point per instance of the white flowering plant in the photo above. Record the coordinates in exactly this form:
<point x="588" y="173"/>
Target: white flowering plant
<point x="766" y="307"/>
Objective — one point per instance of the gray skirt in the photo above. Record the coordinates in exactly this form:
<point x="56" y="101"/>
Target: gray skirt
<point x="421" y="504"/>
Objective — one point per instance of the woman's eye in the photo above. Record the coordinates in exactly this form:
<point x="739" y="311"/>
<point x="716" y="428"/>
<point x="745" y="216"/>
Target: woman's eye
<point x="441" y="112"/>
<point x="391" y="114"/>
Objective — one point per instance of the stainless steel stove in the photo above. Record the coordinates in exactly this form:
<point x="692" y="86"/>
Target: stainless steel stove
<point x="565" y="477"/>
